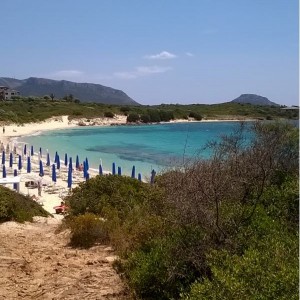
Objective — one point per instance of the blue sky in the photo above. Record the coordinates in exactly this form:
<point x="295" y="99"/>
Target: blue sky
<point x="158" y="51"/>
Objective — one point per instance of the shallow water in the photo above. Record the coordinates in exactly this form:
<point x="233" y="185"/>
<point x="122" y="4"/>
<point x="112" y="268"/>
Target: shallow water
<point x="148" y="147"/>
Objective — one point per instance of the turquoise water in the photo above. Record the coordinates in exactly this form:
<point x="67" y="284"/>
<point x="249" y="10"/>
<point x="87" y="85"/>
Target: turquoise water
<point x="148" y="147"/>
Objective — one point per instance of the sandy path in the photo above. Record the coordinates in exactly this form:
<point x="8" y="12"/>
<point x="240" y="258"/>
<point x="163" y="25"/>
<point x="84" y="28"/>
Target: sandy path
<point x="35" y="263"/>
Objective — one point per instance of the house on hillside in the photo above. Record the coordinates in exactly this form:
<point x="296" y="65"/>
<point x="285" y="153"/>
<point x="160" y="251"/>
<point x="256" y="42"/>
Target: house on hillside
<point x="6" y="93"/>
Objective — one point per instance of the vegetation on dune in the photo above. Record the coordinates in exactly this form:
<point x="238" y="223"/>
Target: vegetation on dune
<point x="17" y="207"/>
<point x="24" y="110"/>
<point x="224" y="228"/>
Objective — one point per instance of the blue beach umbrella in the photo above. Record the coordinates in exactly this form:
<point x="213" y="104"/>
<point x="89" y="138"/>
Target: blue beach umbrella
<point x="119" y="171"/>
<point x="4" y="172"/>
<point x="20" y="162"/>
<point x="15" y="184"/>
<point x="100" y="170"/>
<point x="41" y="168"/>
<point x="87" y="176"/>
<point x="25" y="149"/>
<point x="140" y="177"/>
<point x="28" y="164"/>
<point x="10" y="160"/>
<point x="87" y="163"/>
<point x="53" y="173"/>
<point x="77" y="162"/>
<point x="153" y="173"/>
<point x="3" y="157"/>
<point x="133" y="172"/>
<point x="114" y="169"/>
<point x="31" y="151"/>
<point x="70" y="178"/>
<point x="66" y="159"/>
<point x="84" y="169"/>
<point x="58" y="162"/>
<point x="55" y="157"/>
<point x="48" y="160"/>
<point x="70" y="163"/>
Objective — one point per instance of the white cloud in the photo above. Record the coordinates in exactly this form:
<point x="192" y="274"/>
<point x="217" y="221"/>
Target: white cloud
<point x="141" y="71"/>
<point x="189" y="54"/>
<point x="161" y="55"/>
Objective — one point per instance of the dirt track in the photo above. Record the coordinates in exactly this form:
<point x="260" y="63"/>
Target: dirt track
<point x="35" y="263"/>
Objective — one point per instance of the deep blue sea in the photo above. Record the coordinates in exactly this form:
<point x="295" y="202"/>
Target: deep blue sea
<point x="148" y="147"/>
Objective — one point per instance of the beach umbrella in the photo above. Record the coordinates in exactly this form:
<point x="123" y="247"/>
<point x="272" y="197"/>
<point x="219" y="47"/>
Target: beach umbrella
<point x="53" y="173"/>
<point x="66" y="159"/>
<point x="70" y="163"/>
<point x="25" y="149"/>
<point x="58" y="162"/>
<point x="70" y="178"/>
<point x="84" y="169"/>
<point x="87" y="176"/>
<point x="15" y="184"/>
<point x="40" y="151"/>
<point x="100" y="170"/>
<point x="3" y="157"/>
<point x="41" y="168"/>
<point x="20" y="162"/>
<point x="55" y="157"/>
<point x="4" y="172"/>
<point x="153" y="173"/>
<point x="10" y="159"/>
<point x="140" y="177"/>
<point x="114" y="168"/>
<point x="87" y="163"/>
<point x="31" y="151"/>
<point x="133" y="172"/>
<point x="48" y="160"/>
<point x="119" y="171"/>
<point x="28" y="164"/>
<point x="77" y="162"/>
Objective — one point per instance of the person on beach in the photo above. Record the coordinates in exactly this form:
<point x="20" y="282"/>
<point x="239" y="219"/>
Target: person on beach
<point x="3" y="129"/>
<point x="80" y="168"/>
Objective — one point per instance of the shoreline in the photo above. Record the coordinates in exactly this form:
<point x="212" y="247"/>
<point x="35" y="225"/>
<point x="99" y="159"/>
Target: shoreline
<point x="49" y="200"/>
<point x="13" y="131"/>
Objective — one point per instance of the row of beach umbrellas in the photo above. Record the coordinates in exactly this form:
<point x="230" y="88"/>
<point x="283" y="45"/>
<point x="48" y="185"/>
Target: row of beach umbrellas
<point x="67" y="162"/>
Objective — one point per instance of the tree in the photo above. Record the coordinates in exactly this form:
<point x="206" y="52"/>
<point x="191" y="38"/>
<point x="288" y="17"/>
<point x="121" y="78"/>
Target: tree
<point x="52" y="96"/>
<point x="132" y="118"/>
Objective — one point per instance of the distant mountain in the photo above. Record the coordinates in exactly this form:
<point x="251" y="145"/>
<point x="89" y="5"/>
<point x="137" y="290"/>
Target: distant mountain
<point x="85" y="92"/>
<point x="254" y="99"/>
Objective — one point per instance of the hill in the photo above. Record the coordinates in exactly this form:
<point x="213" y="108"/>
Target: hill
<point x="85" y="92"/>
<point x="254" y="100"/>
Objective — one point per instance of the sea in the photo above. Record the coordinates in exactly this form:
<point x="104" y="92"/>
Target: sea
<point x="159" y="147"/>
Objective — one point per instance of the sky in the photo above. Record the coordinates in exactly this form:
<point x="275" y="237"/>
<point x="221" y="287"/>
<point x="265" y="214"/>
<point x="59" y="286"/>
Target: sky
<point x="158" y="51"/>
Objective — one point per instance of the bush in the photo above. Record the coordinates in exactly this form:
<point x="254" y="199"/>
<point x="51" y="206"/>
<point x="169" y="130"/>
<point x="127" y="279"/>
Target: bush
<point x="145" y="118"/>
<point x="132" y="118"/>
<point x="108" y="114"/>
<point x="195" y="115"/>
<point x="268" y="268"/>
<point x="168" y="265"/>
<point x="86" y="230"/>
<point x="19" y="208"/>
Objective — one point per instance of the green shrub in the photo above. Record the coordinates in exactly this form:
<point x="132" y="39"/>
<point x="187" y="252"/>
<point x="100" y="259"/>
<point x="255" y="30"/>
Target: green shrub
<point x="108" y="114"/>
<point x="133" y="117"/>
<point x="86" y="230"/>
<point x="167" y="265"/>
<point x="17" y="207"/>
<point x="195" y="115"/>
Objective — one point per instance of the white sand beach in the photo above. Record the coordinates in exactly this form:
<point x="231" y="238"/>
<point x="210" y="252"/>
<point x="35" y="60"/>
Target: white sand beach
<point x="51" y="196"/>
